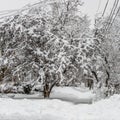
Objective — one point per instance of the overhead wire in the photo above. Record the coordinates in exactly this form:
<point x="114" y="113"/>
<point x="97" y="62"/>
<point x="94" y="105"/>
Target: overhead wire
<point x="8" y="13"/>
<point x="106" y="5"/>
<point x="114" y="17"/>
<point x="105" y="8"/>
<point x="111" y="16"/>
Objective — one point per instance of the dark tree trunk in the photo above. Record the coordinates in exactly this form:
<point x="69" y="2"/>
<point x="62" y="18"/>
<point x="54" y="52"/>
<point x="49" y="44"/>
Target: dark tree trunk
<point x="95" y="75"/>
<point x="107" y="72"/>
<point x="107" y="79"/>
<point x="46" y="92"/>
<point x="47" y="89"/>
<point x="90" y="84"/>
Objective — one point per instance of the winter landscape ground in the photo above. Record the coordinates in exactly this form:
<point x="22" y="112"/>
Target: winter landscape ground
<point x="56" y="109"/>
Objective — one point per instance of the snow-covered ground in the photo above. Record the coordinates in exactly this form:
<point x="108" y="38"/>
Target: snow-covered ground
<point x="10" y="109"/>
<point x="75" y="95"/>
<point x="60" y="109"/>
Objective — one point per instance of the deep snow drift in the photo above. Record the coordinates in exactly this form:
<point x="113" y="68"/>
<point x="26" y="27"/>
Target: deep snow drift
<point x="107" y="109"/>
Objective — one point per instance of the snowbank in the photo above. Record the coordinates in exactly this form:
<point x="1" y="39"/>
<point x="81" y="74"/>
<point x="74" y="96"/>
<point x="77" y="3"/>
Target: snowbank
<point x="72" y="92"/>
<point x="107" y="109"/>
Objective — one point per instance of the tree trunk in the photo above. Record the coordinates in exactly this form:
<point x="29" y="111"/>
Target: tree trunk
<point x="47" y="89"/>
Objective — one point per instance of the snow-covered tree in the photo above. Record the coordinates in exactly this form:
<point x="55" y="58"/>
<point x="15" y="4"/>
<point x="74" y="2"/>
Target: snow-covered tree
<point x="108" y="37"/>
<point x="47" y="47"/>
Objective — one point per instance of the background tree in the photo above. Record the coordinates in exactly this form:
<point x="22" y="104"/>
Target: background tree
<point x="49" y="45"/>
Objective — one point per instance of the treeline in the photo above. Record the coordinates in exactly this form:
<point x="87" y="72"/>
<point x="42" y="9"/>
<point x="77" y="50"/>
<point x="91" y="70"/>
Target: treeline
<point x="51" y="44"/>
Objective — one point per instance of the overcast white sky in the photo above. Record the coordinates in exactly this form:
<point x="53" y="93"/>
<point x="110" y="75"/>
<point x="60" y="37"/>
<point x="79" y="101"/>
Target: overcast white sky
<point x="90" y="7"/>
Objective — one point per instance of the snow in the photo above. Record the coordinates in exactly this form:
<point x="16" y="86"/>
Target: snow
<point x="107" y="109"/>
<point x="75" y="95"/>
<point x="73" y="92"/>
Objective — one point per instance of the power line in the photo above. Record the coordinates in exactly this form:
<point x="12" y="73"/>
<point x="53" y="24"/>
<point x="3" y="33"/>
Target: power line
<point x="14" y="12"/>
<point x="111" y="14"/>
<point x="109" y="18"/>
<point x="114" y="17"/>
<point x="5" y="11"/>
<point x="9" y="12"/>
<point x="105" y="8"/>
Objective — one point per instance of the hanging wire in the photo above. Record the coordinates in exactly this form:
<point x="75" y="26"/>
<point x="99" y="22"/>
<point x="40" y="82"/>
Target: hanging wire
<point x="111" y="15"/>
<point x="105" y="27"/>
<point x="105" y="8"/>
<point x="106" y="5"/>
<point x="115" y="14"/>
<point x="114" y="17"/>
<point x="7" y="13"/>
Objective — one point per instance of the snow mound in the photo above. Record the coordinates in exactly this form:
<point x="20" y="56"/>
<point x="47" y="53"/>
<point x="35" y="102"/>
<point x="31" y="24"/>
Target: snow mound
<point x="72" y="92"/>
